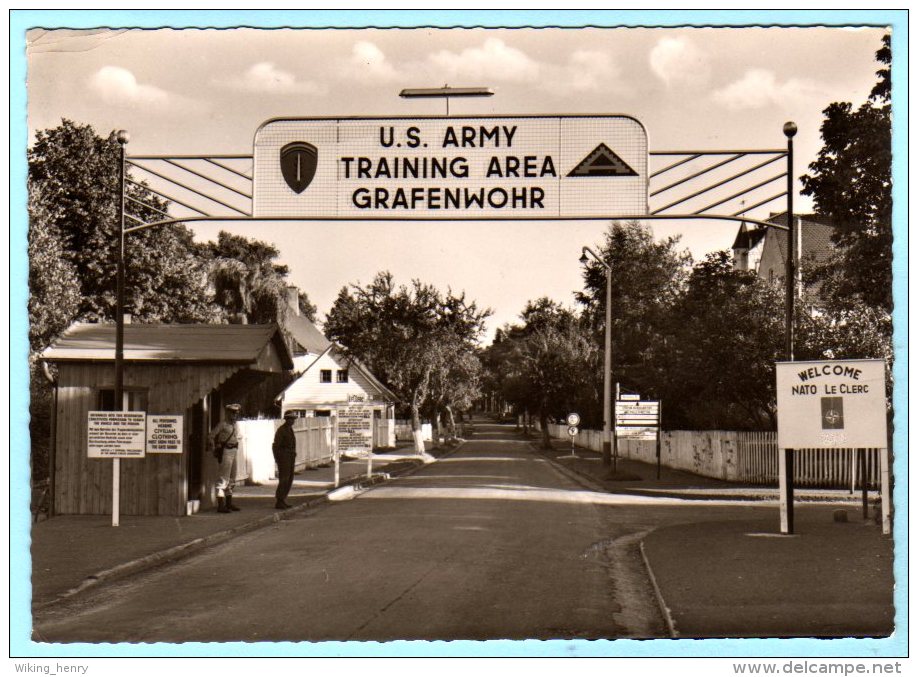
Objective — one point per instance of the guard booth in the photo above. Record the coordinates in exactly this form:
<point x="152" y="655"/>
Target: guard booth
<point x="186" y="371"/>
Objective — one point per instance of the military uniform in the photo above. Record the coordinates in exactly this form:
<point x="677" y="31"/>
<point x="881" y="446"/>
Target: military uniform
<point x="284" y="448"/>
<point x="224" y="439"/>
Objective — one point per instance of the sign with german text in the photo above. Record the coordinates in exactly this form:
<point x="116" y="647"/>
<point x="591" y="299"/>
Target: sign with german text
<point x="831" y="404"/>
<point x="355" y="426"/>
<point x="451" y="168"/>
<point x="637" y="419"/>
<point x="116" y="434"/>
<point x="164" y="434"/>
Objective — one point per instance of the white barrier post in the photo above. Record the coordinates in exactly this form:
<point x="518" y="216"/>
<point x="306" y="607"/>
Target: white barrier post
<point x="884" y="489"/>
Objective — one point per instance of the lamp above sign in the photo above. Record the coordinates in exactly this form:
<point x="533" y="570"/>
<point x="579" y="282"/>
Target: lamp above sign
<point x="451" y="168"/>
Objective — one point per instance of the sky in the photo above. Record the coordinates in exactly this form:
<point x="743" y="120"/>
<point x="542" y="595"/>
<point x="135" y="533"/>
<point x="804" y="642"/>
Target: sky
<point x="207" y="91"/>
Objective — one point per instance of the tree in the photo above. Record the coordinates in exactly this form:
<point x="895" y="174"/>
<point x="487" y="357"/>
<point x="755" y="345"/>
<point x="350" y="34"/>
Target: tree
<point x="54" y="289"/>
<point x="851" y="182"/>
<point x="307" y="308"/>
<point x="247" y="282"/>
<point x="455" y="382"/>
<point x="725" y="332"/>
<point x="74" y="193"/>
<point x="647" y="277"/>
<point x="403" y="334"/>
<point x="546" y="365"/>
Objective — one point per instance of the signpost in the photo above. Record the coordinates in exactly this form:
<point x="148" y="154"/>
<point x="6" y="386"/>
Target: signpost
<point x="832" y="404"/>
<point x="637" y="419"/>
<point x="355" y="429"/>
<point x="573" y="419"/>
<point x="116" y="435"/>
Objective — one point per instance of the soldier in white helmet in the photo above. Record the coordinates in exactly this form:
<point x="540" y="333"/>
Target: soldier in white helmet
<point x="224" y="440"/>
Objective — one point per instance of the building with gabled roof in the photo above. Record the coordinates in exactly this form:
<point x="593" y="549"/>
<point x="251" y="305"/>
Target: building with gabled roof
<point x="764" y="250"/>
<point x="327" y="379"/>
<point x="188" y="370"/>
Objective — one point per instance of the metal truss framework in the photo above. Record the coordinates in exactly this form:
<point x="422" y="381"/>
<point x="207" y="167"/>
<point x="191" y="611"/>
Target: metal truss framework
<point x="702" y="184"/>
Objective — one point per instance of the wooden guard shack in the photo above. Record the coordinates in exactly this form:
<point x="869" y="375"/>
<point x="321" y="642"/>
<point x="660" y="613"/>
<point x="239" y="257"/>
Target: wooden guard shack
<point x="188" y="369"/>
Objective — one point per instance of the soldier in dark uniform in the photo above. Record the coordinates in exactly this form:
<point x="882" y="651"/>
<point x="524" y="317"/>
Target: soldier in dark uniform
<point x="224" y="439"/>
<point x="284" y="448"/>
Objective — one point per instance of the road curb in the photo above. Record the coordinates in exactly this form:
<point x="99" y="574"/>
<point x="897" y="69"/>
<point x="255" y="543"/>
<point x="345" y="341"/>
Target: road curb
<point x="578" y="477"/>
<point x="661" y="603"/>
<point x="176" y="552"/>
<point x="357" y="486"/>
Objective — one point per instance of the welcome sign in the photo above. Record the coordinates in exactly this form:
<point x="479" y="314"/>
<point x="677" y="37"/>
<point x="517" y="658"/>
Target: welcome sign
<point x="831" y="404"/>
<point x="451" y="168"/>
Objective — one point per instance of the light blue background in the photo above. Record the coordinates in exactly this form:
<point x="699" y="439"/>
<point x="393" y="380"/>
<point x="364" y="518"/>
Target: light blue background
<point x="20" y="563"/>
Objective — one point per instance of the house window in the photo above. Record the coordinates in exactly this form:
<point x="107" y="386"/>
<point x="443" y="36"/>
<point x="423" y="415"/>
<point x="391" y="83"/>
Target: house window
<point x="342" y="376"/>
<point x="134" y="400"/>
<point x="325" y="376"/>
<point x="323" y="413"/>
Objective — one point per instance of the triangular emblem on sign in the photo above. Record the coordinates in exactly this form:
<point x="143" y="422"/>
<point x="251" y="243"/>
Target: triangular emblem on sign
<point x="602" y="162"/>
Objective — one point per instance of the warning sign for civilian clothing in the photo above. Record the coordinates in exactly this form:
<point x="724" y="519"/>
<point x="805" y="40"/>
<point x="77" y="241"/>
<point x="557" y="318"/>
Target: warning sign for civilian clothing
<point x="831" y="404"/>
<point x="116" y="434"/>
<point x="164" y="434"/>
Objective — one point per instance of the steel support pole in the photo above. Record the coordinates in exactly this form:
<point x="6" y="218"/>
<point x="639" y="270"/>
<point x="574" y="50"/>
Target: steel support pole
<point x="607" y="455"/>
<point x="790" y="277"/>
<point x="119" y="328"/>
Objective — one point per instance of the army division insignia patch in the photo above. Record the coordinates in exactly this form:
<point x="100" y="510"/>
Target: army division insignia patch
<point x="298" y="164"/>
<point x="602" y="162"/>
<point x="833" y="414"/>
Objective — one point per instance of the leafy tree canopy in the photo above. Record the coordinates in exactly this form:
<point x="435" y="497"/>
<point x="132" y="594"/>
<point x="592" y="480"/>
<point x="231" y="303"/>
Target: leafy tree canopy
<point x="404" y="333"/>
<point x="850" y="181"/>
<point x="73" y="198"/>
<point x="647" y="277"/>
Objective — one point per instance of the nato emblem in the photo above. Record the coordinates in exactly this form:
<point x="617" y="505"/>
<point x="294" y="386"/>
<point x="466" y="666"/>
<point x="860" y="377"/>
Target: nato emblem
<point x="833" y="413"/>
<point x="298" y="164"/>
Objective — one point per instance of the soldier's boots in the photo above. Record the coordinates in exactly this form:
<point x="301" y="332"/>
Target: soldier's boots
<point x="230" y="505"/>
<point x="221" y="505"/>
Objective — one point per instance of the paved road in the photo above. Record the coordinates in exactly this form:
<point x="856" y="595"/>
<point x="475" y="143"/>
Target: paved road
<point x="491" y="542"/>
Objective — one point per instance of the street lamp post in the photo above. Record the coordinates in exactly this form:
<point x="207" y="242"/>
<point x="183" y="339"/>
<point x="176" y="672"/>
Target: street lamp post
<point x="786" y="458"/>
<point x="608" y="458"/>
<point x="123" y="138"/>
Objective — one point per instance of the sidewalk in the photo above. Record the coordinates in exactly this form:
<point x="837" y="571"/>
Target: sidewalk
<point x="636" y="477"/>
<point x="741" y="577"/>
<point x="75" y="551"/>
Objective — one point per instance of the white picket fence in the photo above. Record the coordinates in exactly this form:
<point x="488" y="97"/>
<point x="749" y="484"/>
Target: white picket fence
<point x="315" y="445"/>
<point x="403" y="430"/>
<point x="746" y="457"/>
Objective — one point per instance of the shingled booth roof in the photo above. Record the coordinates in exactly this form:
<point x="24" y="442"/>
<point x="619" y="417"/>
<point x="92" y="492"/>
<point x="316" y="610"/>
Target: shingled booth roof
<point x="216" y="343"/>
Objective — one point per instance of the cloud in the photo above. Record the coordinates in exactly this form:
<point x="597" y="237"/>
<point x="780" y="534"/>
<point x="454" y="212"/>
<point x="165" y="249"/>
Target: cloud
<point x="493" y="61"/>
<point x="116" y="85"/>
<point x="760" y="88"/>
<point x="368" y="63"/>
<point x="591" y="70"/>
<point x="265" y="78"/>
<point x="679" y="63"/>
